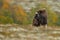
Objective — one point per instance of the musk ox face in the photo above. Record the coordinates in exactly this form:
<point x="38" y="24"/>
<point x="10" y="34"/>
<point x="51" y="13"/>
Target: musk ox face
<point x="40" y="18"/>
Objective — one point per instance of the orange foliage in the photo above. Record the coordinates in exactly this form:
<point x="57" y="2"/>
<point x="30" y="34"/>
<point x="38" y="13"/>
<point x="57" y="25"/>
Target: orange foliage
<point x="21" y="11"/>
<point x="5" y="4"/>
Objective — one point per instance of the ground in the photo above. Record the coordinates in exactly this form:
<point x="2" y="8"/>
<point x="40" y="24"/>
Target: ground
<point x="28" y="32"/>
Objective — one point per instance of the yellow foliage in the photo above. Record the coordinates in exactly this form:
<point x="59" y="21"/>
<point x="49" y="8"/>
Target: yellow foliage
<point x="55" y="18"/>
<point x="52" y="16"/>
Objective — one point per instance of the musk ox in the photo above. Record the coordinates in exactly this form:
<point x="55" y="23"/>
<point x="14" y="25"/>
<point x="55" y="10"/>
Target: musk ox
<point x="40" y="18"/>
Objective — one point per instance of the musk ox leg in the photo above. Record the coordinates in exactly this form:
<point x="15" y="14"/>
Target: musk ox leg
<point x="45" y="26"/>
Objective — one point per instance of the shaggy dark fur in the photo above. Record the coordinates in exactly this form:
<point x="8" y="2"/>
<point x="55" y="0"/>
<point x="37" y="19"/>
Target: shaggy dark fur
<point x="40" y="18"/>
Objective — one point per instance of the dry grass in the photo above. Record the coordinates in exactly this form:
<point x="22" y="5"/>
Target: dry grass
<point x="28" y="32"/>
